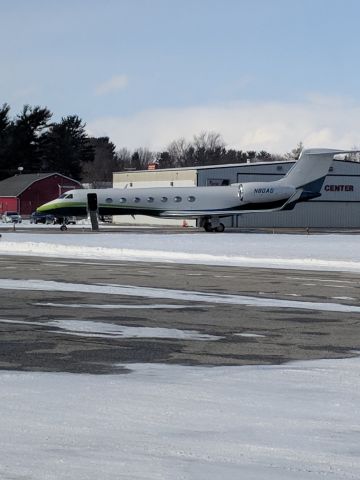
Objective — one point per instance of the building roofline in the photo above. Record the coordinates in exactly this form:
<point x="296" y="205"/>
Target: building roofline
<point x="207" y="167"/>
<point x="47" y="176"/>
<point x="227" y="165"/>
<point x="43" y="176"/>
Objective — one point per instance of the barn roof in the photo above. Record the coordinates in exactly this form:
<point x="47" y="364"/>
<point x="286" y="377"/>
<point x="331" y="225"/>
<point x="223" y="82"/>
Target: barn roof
<point x="14" y="186"/>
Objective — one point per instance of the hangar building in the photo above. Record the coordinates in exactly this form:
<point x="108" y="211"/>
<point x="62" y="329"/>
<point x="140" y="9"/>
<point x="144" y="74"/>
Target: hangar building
<point x="338" y="206"/>
<point x="25" y="192"/>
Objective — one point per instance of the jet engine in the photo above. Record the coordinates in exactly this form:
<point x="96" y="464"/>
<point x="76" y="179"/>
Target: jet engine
<point x="264" y="192"/>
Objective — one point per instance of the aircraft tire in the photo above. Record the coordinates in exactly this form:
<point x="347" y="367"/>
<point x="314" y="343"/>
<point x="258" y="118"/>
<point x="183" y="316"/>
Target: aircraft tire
<point x="220" y="228"/>
<point x="63" y="228"/>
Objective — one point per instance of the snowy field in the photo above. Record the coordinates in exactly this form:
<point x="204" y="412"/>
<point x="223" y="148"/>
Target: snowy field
<point x="298" y="421"/>
<point x="310" y="252"/>
<point x="160" y="422"/>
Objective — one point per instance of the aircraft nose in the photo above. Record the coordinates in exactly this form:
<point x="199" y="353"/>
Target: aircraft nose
<point x="43" y="208"/>
<point x="40" y="209"/>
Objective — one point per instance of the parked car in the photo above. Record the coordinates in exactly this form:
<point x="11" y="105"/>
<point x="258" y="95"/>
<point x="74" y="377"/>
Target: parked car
<point x="41" y="218"/>
<point x="11" y="217"/>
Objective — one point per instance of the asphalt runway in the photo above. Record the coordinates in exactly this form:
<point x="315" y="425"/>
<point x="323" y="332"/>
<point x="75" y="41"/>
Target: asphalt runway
<point x="164" y="230"/>
<point x="35" y="332"/>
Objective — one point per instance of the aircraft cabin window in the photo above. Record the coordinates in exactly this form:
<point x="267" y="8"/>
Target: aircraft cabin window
<point x="136" y="199"/>
<point x="150" y="199"/>
<point x="191" y="199"/>
<point x="122" y="200"/>
<point x="109" y="200"/>
<point x="177" y="199"/>
<point x="164" y="199"/>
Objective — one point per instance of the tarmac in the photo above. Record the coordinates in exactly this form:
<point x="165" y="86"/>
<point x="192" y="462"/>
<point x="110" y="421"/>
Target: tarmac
<point x="248" y="334"/>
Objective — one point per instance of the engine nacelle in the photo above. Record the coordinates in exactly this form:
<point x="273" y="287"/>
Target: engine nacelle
<point x="264" y="192"/>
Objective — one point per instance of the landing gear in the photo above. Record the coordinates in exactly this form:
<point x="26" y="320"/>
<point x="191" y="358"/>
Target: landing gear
<point x="213" y="225"/>
<point x="63" y="222"/>
<point x="208" y="227"/>
<point x="220" y="228"/>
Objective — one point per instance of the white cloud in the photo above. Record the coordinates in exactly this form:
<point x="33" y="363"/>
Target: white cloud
<point x="273" y="126"/>
<point x="117" y="82"/>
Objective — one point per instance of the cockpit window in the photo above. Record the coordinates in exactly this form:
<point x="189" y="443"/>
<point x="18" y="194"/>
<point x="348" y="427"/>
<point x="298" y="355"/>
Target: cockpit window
<point x="66" y="195"/>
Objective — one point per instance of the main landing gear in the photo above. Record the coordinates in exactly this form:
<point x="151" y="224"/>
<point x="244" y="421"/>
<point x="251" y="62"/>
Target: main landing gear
<point x="213" y="225"/>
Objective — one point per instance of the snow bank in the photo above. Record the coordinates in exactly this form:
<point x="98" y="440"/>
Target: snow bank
<point x="310" y="252"/>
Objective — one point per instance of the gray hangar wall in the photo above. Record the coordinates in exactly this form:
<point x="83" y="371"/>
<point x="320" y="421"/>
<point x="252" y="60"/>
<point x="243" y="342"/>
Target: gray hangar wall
<point x="338" y="206"/>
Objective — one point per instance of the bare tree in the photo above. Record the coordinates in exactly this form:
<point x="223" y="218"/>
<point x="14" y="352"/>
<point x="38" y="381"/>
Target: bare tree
<point x="141" y="158"/>
<point x="123" y="159"/>
<point x="295" y="152"/>
<point x="208" y="141"/>
<point x="178" y="150"/>
<point x="354" y="157"/>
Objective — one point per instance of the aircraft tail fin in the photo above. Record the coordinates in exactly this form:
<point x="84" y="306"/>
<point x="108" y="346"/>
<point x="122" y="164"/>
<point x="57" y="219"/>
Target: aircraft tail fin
<point x="310" y="170"/>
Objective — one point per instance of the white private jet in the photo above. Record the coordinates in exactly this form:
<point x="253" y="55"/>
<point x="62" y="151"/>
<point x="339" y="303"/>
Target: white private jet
<point x="209" y="204"/>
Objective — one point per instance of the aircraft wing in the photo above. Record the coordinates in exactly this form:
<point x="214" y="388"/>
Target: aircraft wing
<point x="213" y="213"/>
<point x="289" y="204"/>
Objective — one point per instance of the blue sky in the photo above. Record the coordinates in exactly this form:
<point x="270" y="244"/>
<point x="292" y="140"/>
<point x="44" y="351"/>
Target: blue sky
<point x="263" y="73"/>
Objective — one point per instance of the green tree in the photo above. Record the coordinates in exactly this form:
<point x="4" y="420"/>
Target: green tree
<point x="65" y="147"/>
<point x="235" y="156"/>
<point x="250" y="155"/>
<point x="141" y="158"/>
<point x="5" y="157"/>
<point x="164" y="160"/>
<point x="24" y="137"/>
<point x="104" y="164"/>
<point x="263" y="156"/>
<point x="209" y="148"/>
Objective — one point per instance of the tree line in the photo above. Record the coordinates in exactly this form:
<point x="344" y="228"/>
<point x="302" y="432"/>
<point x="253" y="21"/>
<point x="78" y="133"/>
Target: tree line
<point x="32" y="142"/>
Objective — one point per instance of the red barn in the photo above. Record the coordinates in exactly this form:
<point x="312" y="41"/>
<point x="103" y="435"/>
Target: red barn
<point x="24" y="193"/>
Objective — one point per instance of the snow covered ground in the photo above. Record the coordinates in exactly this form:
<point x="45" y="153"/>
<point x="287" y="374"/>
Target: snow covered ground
<point x="160" y="422"/>
<point x="298" y="421"/>
<point x="312" y="252"/>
